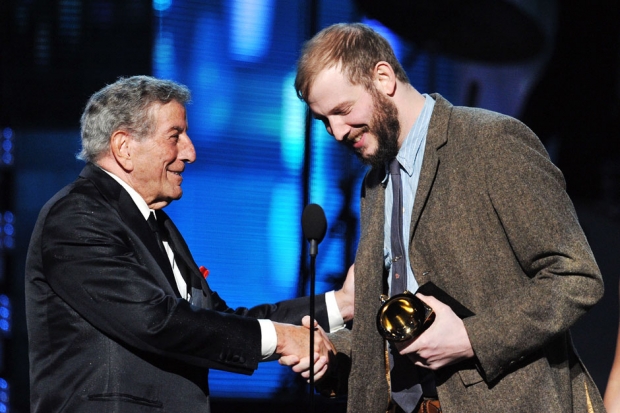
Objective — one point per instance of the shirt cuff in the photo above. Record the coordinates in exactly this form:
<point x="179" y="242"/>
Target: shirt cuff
<point x="269" y="338"/>
<point x="336" y="322"/>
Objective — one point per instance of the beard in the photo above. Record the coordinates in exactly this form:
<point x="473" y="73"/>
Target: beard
<point x="385" y="126"/>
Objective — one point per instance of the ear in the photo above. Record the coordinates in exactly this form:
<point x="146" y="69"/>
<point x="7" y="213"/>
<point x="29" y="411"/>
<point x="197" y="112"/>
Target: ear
<point x="385" y="79"/>
<point x="121" y="148"/>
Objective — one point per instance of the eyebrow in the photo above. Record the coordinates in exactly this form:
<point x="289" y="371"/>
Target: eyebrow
<point x="176" y="128"/>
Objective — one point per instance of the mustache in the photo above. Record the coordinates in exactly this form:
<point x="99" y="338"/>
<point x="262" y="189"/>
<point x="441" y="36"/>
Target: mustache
<point x="357" y="133"/>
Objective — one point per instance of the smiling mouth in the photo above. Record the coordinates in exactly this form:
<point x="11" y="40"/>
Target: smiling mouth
<point x="357" y="137"/>
<point x="357" y="142"/>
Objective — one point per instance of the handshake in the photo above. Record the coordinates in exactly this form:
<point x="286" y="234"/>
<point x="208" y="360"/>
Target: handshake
<point x="294" y="347"/>
<point x="294" y="341"/>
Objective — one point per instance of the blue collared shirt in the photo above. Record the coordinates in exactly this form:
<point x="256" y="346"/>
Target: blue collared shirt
<point x="410" y="156"/>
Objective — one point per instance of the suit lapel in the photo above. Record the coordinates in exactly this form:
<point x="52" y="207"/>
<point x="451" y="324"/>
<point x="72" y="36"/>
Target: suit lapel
<point x="370" y="282"/>
<point x="132" y="215"/>
<point x="182" y="255"/>
<point x="436" y="137"/>
<point x="122" y="203"/>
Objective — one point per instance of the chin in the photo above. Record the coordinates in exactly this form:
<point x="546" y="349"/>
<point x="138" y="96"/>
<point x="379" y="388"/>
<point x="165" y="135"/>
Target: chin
<point x="367" y="156"/>
<point x="174" y="196"/>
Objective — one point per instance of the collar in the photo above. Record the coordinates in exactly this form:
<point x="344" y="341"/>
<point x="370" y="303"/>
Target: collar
<point x="137" y="199"/>
<point x="410" y="149"/>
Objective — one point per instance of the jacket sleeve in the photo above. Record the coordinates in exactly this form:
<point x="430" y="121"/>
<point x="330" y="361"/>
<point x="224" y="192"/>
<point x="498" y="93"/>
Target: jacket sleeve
<point x="103" y="272"/>
<point x="562" y="280"/>
<point x="287" y="311"/>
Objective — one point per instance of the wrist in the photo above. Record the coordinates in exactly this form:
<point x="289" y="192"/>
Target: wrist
<point x="345" y="305"/>
<point x="280" y="337"/>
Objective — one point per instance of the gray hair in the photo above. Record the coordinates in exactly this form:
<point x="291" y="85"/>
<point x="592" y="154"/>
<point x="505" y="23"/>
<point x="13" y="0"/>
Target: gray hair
<point x="125" y="105"/>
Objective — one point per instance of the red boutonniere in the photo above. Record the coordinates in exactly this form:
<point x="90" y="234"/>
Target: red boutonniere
<point x="204" y="271"/>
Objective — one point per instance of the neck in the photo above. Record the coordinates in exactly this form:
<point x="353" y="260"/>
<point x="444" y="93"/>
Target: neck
<point x="409" y="103"/>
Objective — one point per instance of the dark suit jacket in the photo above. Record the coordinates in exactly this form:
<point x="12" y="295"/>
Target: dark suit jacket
<point x="107" y="331"/>
<point x="492" y="226"/>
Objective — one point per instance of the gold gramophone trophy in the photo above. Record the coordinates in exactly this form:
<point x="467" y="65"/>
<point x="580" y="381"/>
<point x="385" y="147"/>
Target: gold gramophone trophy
<point x="403" y="317"/>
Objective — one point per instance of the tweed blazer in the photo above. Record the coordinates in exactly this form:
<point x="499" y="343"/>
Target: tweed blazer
<point x="492" y="225"/>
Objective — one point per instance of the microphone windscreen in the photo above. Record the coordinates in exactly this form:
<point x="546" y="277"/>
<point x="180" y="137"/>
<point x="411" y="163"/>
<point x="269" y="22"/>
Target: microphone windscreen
<point x="314" y="223"/>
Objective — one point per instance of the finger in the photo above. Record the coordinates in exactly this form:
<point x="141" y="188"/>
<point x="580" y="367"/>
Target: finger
<point x="304" y="364"/>
<point x="301" y="367"/>
<point x="419" y="361"/>
<point x="426" y="365"/>
<point x="288" y="360"/>
<point x="320" y="367"/>
<point x="430" y="301"/>
<point x="318" y="373"/>
<point x="305" y="321"/>
<point x="321" y="364"/>
<point x="324" y="351"/>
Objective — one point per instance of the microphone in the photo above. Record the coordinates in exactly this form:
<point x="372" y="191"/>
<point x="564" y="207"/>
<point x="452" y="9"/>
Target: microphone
<point x="314" y="225"/>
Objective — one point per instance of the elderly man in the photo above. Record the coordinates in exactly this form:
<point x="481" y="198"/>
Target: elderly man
<point x="120" y="318"/>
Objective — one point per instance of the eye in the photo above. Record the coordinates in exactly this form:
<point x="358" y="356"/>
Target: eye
<point x="344" y="111"/>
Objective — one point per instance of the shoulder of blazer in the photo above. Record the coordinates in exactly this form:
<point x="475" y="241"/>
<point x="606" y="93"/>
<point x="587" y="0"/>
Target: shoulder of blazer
<point x="437" y="135"/>
<point x="113" y="194"/>
<point x="105" y="184"/>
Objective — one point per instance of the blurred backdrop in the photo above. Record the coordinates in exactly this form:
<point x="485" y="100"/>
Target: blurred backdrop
<point x="260" y="160"/>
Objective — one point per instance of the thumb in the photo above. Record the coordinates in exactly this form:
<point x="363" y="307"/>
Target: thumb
<point x="305" y="321"/>
<point x="429" y="300"/>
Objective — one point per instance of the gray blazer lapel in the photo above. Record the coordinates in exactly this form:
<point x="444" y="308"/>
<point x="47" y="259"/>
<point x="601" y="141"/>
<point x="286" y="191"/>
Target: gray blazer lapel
<point x="368" y="346"/>
<point x="436" y="137"/>
<point x="371" y="237"/>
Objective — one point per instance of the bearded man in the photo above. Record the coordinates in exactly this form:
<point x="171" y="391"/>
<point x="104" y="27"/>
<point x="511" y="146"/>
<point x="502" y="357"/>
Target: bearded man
<point x="479" y="210"/>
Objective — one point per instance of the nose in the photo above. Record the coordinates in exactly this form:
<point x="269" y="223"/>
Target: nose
<point x="187" y="153"/>
<point x="338" y="129"/>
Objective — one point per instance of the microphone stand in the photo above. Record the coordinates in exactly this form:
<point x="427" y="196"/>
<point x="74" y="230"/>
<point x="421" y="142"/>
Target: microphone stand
<point x="313" y="252"/>
<point x="314" y="226"/>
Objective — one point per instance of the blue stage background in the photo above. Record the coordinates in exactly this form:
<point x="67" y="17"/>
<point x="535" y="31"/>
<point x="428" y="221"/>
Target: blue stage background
<point x="243" y="197"/>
